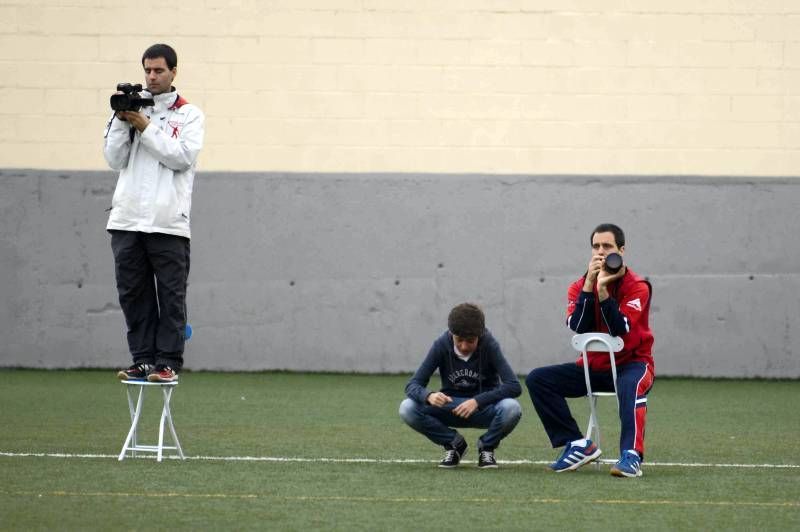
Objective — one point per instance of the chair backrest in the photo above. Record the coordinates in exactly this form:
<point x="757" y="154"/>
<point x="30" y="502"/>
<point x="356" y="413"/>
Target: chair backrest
<point x="595" y="341"/>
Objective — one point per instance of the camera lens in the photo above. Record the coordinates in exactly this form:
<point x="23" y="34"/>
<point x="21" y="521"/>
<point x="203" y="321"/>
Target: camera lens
<point x="613" y="263"/>
<point x="120" y="102"/>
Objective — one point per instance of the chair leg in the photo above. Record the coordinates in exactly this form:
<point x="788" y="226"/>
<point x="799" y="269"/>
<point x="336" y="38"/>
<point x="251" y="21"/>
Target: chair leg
<point x="593" y="430"/>
<point x="596" y="424"/>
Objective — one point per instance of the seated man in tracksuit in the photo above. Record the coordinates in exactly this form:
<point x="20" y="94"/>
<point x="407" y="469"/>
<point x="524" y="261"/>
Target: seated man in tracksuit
<point x="478" y="389"/>
<point x="617" y="303"/>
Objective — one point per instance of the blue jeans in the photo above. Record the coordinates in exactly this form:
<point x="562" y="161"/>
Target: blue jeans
<point x="436" y="423"/>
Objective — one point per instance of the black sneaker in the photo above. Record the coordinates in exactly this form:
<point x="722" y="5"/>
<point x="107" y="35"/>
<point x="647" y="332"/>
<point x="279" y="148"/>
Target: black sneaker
<point x="137" y="372"/>
<point x="454" y="452"/>
<point x="486" y="458"/>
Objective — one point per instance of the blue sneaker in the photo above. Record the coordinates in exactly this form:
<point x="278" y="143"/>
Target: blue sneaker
<point x="575" y="456"/>
<point x="629" y="465"/>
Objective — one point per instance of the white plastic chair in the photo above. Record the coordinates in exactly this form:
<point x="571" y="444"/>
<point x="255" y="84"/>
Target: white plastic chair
<point x="595" y="341"/>
<point x="131" y="443"/>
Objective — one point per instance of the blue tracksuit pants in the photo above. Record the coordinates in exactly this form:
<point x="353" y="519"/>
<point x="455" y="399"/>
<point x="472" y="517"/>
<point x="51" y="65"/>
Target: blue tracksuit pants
<point x="549" y="386"/>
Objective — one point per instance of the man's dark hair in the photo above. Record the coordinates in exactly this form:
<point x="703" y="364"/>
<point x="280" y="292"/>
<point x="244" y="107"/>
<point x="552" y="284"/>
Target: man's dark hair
<point x="466" y="320"/>
<point x="162" y="50"/>
<point x="619" y="236"/>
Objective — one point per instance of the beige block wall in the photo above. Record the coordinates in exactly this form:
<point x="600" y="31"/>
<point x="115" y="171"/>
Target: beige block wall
<point x="709" y="87"/>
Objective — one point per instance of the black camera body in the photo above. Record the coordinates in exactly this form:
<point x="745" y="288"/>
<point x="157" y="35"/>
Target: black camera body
<point x="130" y="99"/>
<point x="613" y="263"/>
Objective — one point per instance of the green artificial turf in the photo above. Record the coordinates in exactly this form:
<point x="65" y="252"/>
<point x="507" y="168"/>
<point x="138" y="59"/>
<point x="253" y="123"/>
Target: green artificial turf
<point x="274" y="416"/>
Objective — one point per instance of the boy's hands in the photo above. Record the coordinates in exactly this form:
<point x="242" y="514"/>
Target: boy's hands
<point x="466" y="409"/>
<point x="439" y="399"/>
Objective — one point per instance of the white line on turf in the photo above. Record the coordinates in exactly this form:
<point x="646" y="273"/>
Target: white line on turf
<point x="370" y="460"/>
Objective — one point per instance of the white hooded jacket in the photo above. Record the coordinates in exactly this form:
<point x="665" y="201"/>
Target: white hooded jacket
<point x="154" y="189"/>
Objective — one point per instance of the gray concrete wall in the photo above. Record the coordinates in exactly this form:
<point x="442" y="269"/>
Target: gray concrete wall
<point x="357" y="272"/>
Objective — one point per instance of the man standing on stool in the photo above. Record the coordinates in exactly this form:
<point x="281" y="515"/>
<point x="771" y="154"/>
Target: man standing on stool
<point x="156" y="151"/>
<point x="614" y="303"/>
<point x="478" y="389"/>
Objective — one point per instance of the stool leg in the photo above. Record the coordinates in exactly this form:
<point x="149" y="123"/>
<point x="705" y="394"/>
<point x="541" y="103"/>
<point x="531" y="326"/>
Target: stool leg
<point x="166" y="416"/>
<point x="133" y="409"/>
<point x="168" y="411"/>
<point x="135" y="412"/>
<point x="167" y="393"/>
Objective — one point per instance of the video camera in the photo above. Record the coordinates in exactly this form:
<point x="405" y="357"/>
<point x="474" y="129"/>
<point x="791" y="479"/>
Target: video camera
<point x="130" y="99"/>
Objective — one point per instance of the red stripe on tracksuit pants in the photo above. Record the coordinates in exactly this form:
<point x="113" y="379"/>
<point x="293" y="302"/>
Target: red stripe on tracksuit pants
<point x="639" y="410"/>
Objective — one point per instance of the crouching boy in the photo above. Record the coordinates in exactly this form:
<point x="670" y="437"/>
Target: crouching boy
<point x="478" y="390"/>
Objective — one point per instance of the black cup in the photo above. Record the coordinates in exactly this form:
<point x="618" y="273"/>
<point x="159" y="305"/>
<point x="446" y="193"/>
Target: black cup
<point x="613" y="263"/>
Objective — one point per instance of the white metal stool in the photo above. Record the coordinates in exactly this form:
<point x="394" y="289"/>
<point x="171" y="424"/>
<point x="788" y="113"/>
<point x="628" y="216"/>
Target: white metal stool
<point x="131" y="442"/>
<point x="597" y="342"/>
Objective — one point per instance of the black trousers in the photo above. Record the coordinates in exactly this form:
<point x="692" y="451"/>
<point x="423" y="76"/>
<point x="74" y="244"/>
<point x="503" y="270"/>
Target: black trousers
<point x="152" y="270"/>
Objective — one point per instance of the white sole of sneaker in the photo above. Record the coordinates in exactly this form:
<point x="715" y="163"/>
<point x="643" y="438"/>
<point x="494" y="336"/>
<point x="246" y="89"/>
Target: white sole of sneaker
<point x="156" y="378"/>
<point x="124" y="377"/>
<point x="585" y="460"/>
<point x="617" y="473"/>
